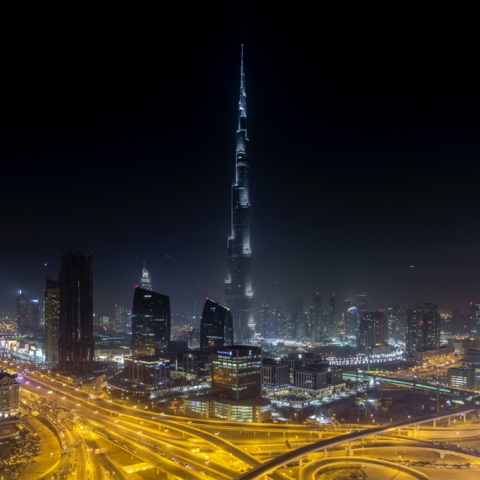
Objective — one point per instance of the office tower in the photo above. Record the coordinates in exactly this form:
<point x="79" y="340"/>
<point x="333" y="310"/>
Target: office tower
<point x="22" y="312"/>
<point x="372" y="335"/>
<point x="150" y="323"/>
<point x="332" y="331"/>
<point x="237" y="372"/>
<point x="238" y="286"/>
<point x="236" y="387"/>
<point x="145" y="281"/>
<point x="52" y="319"/>
<point x="396" y="330"/>
<point x="216" y="327"/>
<point x="76" y="345"/>
<point x="475" y="319"/>
<point x="35" y="313"/>
<point x="422" y="328"/>
<point x="316" y="319"/>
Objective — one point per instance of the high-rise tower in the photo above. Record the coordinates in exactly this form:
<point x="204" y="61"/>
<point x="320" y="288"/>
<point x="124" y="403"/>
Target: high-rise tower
<point x="52" y="319"/>
<point x="215" y="326"/>
<point x="75" y="336"/>
<point x="238" y="286"/>
<point x="22" y="312"/>
<point x="150" y="323"/>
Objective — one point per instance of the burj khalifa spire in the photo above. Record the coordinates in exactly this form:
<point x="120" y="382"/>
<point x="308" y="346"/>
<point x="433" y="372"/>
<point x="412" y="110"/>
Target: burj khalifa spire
<point x="238" y="286"/>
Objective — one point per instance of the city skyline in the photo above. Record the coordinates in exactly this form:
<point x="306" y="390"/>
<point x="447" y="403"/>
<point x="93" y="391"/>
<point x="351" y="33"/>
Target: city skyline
<point x="364" y="139"/>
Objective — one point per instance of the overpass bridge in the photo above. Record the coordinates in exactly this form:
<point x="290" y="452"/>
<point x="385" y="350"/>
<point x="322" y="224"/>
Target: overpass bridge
<point x="270" y="466"/>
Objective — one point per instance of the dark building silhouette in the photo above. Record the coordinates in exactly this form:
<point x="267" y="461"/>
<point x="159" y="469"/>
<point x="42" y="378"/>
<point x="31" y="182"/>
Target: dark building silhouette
<point x="22" y="312"/>
<point x="150" y="323"/>
<point x="216" y="326"/>
<point x="315" y="324"/>
<point x="238" y="285"/>
<point x="76" y="345"/>
<point x="52" y="319"/>
<point x="332" y="317"/>
<point x="35" y="313"/>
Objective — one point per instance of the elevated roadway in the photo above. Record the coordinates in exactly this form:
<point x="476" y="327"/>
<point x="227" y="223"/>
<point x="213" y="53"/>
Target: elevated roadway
<point x="272" y="465"/>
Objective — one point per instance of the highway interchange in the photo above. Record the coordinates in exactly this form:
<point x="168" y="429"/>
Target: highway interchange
<point x="98" y="439"/>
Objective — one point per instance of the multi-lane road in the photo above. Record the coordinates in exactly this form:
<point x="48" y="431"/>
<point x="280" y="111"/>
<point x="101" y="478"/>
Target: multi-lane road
<point x="98" y="436"/>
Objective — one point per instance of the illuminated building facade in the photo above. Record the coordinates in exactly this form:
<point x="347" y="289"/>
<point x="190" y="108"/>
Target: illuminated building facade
<point x="52" y="319"/>
<point x="475" y="319"/>
<point x="275" y="374"/>
<point x="150" y="372"/>
<point x="22" y="312"/>
<point x="238" y="285"/>
<point x="396" y="330"/>
<point x="236" y="372"/>
<point x="372" y="335"/>
<point x="9" y="395"/>
<point x="123" y="319"/>
<point x="216" y="327"/>
<point x="236" y="387"/>
<point x="76" y="344"/>
<point x="422" y="328"/>
<point x="150" y="323"/>
<point x="145" y="280"/>
<point x="464" y="377"/>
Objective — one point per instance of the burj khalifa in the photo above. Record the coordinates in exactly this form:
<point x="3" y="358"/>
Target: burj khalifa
<point x="238" y="285"/>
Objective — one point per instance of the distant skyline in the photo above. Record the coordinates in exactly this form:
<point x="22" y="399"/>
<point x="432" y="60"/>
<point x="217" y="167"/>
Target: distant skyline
<point x="118" y="140"/>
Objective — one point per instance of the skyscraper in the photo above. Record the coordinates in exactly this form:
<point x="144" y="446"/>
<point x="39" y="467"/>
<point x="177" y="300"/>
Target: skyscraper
<point x="22" y="312"/>
<point x="372" y="333"/>
<point x="396" y="330"/>
<point x="150" y="323"/>
<point x="423" y="328"/>
<point x="238" y="286"/>
<point x="145" y="281"/>
<point x="52" y="319"/>
<point x="315" y="329"/>
<point x="76" y="345"/>
<point x="216" y="328"/>
<point x="35" y="313"/>
<point x="333" y="317"/>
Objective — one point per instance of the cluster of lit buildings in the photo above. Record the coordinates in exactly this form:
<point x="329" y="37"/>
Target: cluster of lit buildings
<point x="220" y="350"/>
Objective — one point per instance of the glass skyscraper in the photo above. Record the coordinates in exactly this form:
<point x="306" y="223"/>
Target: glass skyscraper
<point x="216" y="327"/>
<point x="238" y="285"/>
<point x="150" y="323"/>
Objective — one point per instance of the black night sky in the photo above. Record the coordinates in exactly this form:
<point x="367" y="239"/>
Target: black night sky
<point x="118" y="139"/>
